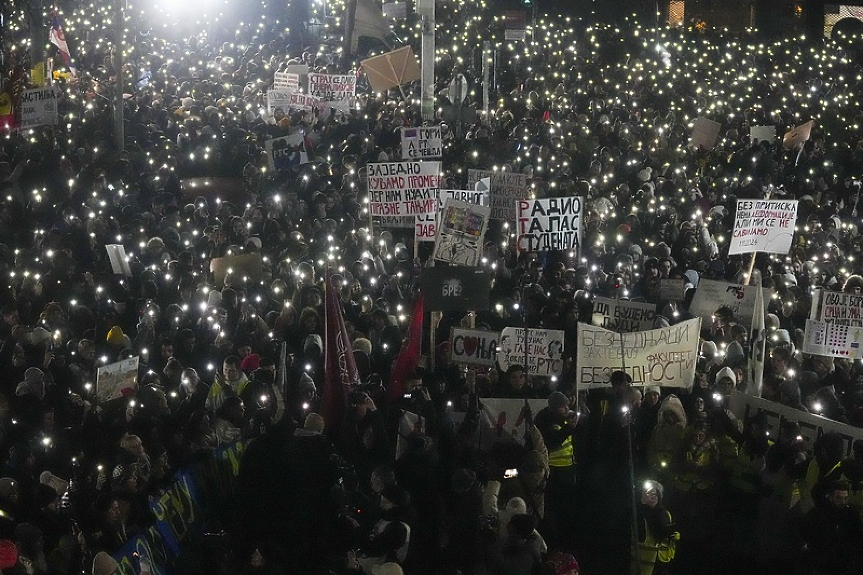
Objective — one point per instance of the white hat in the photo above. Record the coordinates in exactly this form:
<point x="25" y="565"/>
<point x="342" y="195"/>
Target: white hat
<point x="726" y="372"/>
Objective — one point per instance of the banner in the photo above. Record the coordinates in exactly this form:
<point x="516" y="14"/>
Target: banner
<point x="763" y="226"/>
<point x="704" y="133"/>
<point x="623" y="315"/>
<point x="248" y="267"/>
<point x="664" y="356"/>
<point x="334" y="91"/>
<point x="550" y="224"/>
<point x="409" y="354"/>
<point x="421" y="143"/>
<point x="455" y="288"/>
<point x="473" y="346"/>
<point x="340" y="368"/>
<point x="286" y="152"/>
<point x="833" y="339"/>
<point x="710" y="295"/>
<point x="838" y="308"/>
<point x="398" y="191"/>
<point x="113" y="378"/>
<point x="460" y="233"/>
<point x="505" y="189"/>
<point x="544" y="354"/>
<point x="392" y="69"/>
<point x="38" y="107"/>
<point x="286" y="82"/>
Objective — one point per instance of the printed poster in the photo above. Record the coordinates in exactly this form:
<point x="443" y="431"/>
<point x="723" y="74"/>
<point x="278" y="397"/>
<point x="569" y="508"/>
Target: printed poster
<point x="460" y="233"/>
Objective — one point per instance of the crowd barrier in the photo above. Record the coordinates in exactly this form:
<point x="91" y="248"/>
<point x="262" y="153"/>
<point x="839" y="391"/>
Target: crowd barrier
<point x="193" y="503"/>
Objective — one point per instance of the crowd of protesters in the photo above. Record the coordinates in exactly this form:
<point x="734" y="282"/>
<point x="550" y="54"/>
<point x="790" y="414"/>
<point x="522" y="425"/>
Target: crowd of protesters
<point x="593" y="111"/>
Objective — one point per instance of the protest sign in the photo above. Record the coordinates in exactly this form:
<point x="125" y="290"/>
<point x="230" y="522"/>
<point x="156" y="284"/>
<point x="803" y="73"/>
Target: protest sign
<point x="515" y="25"/>
<point x="278" y="100"/>
<point x="763" y="226"/>
<point x="248" y="268"/>
<point x="113" y="378"/>
<point x="549" y="224"/>
<point x="833" y="339"/>
<point x="479" y="198"/>
<point x="395" y="10"/>
<point x="460" y="233"/>
<point x="392" y="69"/>
<point x="333" y="90"/>
<point x="762" y="134"/>
<point x="455" y="288"/>
<point x="837" y="307"/>
<point x="286" y="82"/>
<point x="623" y="315"/>
<point x="798" y="135"/>
<point x="421" y="143"/>
<point x="425" y="227"/>
<point x="285" y="152"/>
<point x="664" y="356"/>
<point x="711" y="294"/>
<point x="38" y="107"/>
<point x="704" y="133"/>
<point x="118" y="259"/>
<point x="671" y="289"/>
<point x="505" y="189"/>
<point x="473" y="346"/>
<point x="544" y="353"/>
<point x="398" y="191"/>
<point x="503" y="419"/>
<point x="304" y="102"/>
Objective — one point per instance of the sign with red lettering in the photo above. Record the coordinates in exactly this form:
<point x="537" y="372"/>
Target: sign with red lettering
<point x="763" y="226"/>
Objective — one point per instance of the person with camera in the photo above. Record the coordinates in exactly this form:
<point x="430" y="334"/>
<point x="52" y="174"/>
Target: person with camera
<point x="557" y="424"/>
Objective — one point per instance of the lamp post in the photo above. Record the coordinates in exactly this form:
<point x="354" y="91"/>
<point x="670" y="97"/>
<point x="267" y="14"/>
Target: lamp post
<point x="119" y="128"/>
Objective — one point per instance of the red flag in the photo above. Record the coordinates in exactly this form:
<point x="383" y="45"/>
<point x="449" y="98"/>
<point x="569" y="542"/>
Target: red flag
<point x="409" y="355"/>
<point x="340" y="370"/>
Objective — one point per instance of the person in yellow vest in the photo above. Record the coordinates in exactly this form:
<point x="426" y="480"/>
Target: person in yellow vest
<point x="557" y="423"/>
<point x="657" y="536"/>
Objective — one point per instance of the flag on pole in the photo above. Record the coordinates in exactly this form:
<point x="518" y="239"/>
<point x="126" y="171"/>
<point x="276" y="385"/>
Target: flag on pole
<point x="58" y="37"/>
<point x="757" y="344"/>
<point x="409" y="355"/>
<point x="340" y="369"/>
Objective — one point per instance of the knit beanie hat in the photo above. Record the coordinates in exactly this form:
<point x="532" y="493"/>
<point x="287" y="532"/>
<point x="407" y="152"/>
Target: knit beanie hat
<point x="557" y="400"/>
<point x="726" y="372"/>
<point x="314" y="422"/>
<point x="115" y="336"/>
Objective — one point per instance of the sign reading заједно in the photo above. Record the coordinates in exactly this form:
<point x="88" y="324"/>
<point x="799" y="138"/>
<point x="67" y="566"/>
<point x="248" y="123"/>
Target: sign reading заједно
<point x="763" y="226"/>
<point x="399" y="191"/>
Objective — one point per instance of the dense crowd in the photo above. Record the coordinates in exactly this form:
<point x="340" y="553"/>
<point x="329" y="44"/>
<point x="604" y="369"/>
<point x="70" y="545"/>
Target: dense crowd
<point x="589" y="110"/>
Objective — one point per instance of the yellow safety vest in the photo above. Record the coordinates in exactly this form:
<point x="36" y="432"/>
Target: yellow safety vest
<point x="650" y="550"/>
<point x="561" y="456"/>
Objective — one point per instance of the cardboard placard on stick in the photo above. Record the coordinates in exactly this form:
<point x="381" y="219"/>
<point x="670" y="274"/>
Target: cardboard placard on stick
<point x="392" y="69"/>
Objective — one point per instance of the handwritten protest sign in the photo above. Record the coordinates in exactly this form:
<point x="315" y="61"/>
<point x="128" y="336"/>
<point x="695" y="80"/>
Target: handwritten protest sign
<point x="833" y="339"/>
<point x="671" y="289"/>
<point x="113" y="378"/>
<point x="664" y="356"/>
<point x="798" y="135"/>
<point x="549" y="224"/>
<point x="704" y="133"/>
<point x="398" y="191"/>
<point x="711" y="294"/>
<point x="333" y="90"/>
<point x="285" y="152"/>
<point x="460" y="233"/>
<point x="480" y="198"/>
<point x="505" y="189"/>
<point x="763" y="226"/>
<point x="421" y="143"/>
<point x="425" y="227"/>
<point x="38" y="107"/>
<point x="304" y="102"/>
<point x="473" y="346"/>
<point x="837" y="308"/>
<point x="544" y="353"/>
<point x="278" y="100"/>
<point x="285" y="81"/>
<point x="623" y="315"/>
